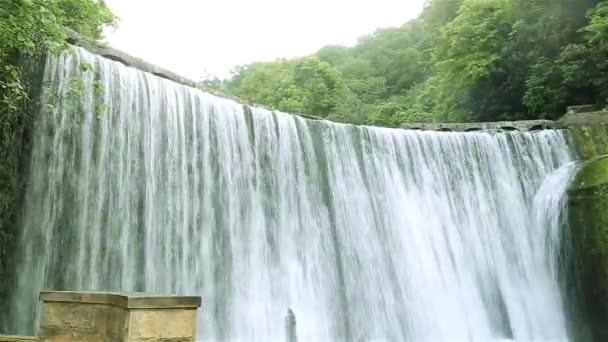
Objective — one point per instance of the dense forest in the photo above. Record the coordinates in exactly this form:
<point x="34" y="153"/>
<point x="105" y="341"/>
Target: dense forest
<point x="459" y="61"/>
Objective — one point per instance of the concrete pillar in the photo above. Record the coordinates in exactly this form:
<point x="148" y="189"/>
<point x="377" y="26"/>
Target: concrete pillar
<point x="114" y="317"/>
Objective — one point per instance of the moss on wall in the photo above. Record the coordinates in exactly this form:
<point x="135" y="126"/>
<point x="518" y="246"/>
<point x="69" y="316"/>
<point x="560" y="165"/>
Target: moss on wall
<point x="593" y="173"/>
<point x="590" y="141"/>
<point x="589" y="132"/>
<point x="588" y="216"/>
<point x="588" y="222"/>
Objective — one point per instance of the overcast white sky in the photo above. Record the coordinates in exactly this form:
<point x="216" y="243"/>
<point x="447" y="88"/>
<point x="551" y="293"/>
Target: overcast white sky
<point x="198" y="37"/>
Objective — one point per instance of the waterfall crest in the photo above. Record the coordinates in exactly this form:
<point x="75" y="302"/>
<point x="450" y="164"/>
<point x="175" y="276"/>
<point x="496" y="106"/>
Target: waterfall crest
<point x="366" y="234"/>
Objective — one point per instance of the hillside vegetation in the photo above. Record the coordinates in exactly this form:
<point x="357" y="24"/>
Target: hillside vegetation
<point x="459" y="61"/>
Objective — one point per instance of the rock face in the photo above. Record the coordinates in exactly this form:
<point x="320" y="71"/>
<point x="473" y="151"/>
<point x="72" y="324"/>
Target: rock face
<point x="588" y="223"/>
<point x="588" y="214"/>
<point x="589" y="131"/>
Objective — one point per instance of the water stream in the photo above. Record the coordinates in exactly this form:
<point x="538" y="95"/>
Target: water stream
<point x="366" y="234"/>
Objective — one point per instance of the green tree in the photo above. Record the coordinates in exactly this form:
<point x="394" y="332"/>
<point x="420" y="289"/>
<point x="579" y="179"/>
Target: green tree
<point x="460" y="60"/>
<point x="579" y="75"/>
<point x="305" y="85"/>
<point x="31" y="27"/>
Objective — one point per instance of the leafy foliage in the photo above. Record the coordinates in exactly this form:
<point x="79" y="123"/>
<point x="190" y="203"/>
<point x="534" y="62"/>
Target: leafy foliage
<point x="29" y="28"/>
<point x="306" y="85"/>
<point x="460" y="60"/>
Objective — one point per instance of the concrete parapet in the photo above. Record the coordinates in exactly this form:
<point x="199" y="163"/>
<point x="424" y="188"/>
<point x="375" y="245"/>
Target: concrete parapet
<point x="525" y="125"/>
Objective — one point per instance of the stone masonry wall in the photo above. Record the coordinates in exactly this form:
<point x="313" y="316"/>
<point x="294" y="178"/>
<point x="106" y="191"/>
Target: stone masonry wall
<point x="83" y="322"/>
<point x="111" y="317"/>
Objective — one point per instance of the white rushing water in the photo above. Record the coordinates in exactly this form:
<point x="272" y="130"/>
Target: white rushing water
<point x="367" y="234"/>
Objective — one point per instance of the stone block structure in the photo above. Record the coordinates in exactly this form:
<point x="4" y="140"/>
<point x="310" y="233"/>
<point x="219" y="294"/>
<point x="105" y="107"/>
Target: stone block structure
<point x="113" y="317"/>
<point x="92" y="317"/>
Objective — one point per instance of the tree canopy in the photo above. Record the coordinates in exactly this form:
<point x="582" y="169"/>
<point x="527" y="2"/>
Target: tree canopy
<point x="31" y="27"/>
<point x="459" y="61"/>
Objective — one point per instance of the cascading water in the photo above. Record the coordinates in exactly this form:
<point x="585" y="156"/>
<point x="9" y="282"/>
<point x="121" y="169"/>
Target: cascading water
<point x="367" y="234"/>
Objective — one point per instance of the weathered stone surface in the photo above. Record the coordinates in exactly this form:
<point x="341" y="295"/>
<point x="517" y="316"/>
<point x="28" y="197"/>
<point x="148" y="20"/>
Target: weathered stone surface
<point x="83" y="322"/>
<point x="588" y="222"/>
<point x="116" y="324"/>
<point x="71" y="316"/>
<point x="114" y="317"/>
<point x="127" y="301"/>
<point x="156" y="325"/>
<point x="592" y="174"/>
<point x="65" y="336"/>
<point x="9" y="338"/>
<point x="527" y="125"/>
<point x="581" y="109"/>
<point x="589" y="131"/>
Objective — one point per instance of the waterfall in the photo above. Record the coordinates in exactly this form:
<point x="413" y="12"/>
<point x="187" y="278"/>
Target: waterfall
<point x="366" y="234"/>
